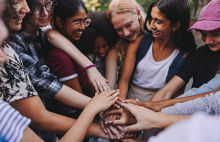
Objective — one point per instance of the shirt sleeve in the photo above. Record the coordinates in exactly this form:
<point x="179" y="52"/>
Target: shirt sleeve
<point x="189" y="67"/>
<point x="209" y="104"/>
<point x="14" y="80"/>
<point x="212" y="85"/>
<point x="44" y="82"/>
<point x="12" y="123"/>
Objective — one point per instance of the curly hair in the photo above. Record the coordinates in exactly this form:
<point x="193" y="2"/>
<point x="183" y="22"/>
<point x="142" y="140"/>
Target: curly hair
<point x="100" y="26"/>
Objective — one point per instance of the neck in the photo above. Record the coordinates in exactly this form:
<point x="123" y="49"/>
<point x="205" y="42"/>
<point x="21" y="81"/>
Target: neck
<point x="165" y="43"/>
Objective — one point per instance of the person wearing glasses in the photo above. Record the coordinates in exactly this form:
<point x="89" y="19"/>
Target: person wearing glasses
<point x="70" y="19"/>
<point x="30" y="46"/>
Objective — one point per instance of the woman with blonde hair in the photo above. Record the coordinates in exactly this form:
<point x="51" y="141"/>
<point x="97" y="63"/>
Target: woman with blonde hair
<point x="127" y="17"/>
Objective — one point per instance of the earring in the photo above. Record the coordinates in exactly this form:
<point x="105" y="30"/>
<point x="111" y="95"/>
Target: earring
<point x="174" y="30"/>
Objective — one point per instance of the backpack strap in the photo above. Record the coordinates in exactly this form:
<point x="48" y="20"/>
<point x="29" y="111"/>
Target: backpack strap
<point x="176" y="64"/>
<point x="142" y="51"/>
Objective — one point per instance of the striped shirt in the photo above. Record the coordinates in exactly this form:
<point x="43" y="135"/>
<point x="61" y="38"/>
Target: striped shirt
<point x="12" y="123"/>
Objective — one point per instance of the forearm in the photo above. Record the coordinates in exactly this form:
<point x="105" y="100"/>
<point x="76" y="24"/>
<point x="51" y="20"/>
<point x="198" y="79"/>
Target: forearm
<point x="72" y="98"/>
<point x="59" y="41"/>
<point x="165" y="120"/>
<point x="169" y="89"/>
<point x="123" y="87"/>
<point x="78" y="131"/>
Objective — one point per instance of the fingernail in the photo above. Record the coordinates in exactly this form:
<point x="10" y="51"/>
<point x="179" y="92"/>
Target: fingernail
<point x="126" y="129"/>
<point x="106" y="122"/>
<point x="110" y="122"/>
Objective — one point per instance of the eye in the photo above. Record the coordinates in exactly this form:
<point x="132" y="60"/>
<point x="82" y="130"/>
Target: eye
<point x="118" y="30"/>
<point x="128" y="25"/>
<point x="158" y="21"/>
<point x="105" y="45"/>
<point x="77" y="23"/>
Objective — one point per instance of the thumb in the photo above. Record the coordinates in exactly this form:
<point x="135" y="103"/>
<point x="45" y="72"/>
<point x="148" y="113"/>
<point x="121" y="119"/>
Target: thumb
<point x="130" y="107"/>
<point x="132" y="128"/>
<point x="119" y="122"/>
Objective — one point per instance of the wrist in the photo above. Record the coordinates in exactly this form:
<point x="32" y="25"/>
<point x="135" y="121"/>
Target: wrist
<point x="88" y="67"/>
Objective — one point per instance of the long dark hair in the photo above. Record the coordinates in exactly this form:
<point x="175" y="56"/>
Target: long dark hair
<point x="175" y="11"/>
<point x="66" y="9"/>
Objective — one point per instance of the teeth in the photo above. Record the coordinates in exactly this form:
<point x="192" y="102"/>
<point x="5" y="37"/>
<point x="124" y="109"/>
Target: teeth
<point x="79" y="33"/>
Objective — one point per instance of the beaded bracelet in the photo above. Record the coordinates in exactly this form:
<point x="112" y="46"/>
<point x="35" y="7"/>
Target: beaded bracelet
<point x="93" y="65"/>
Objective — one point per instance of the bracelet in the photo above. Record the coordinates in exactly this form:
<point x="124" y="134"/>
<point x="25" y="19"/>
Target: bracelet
<point x="93" y="65"/>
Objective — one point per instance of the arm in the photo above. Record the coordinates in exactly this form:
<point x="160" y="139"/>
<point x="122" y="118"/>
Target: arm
<point x="59" y="41"/>
<point x="111" y="63"/>
<point x="147" y="119"/>
<point x="44" y="120"/>
<point x="99" y="103"/>
<point x="157" y="106"/>
<point x="128" y="67"/>
<point x="169" y="89"/>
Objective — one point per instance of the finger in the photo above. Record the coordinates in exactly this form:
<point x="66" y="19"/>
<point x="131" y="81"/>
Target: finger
<point x="114" y="95"/>
<point x="115" y="131"/>
<point x="103" y="126"/>
<point x="132" y="128"/>
<point x="109" y="132"/>
<point x="121" y="129"/>
<point x="95" y="86"/>
<point x="116" y="105"/>
<point x="138" y="102"/>
<point x="113" y="118"/>
<point x="108" y="118"/>
<point x="114" y="111"/>
<point x="131" y="108"/>
<point x="99" y="85"/>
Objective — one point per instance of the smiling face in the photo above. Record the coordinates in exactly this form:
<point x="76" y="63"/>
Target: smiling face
<point x="160" y="26"/>
<point x="212" y="39"/>
<point x="42" y="19"/>
<point x="15" y="20"/>
<point x="73" y="31"/>
<point x="101" y="47"/>
<point x="127" y="25"/>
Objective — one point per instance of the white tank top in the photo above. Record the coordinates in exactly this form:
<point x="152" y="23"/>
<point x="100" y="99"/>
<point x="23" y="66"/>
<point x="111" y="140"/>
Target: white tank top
<point x="151" y="74"/>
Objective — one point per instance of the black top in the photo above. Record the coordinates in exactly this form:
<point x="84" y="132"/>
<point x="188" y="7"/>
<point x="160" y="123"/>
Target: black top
<point x="202" y="66"/>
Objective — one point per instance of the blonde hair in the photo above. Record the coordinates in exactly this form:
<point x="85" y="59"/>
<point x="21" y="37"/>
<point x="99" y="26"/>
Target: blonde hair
<point x="125" y="6"/>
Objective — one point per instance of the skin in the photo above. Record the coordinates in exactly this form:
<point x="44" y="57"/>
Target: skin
<point x="163" y="47"/>
<point x="212" y="39"/>
<point x="41" y="118"/>
<point x="69" y="30"/>
<point x="59" y="41"/>
<point x="127" y="25"/>
<point x="101" y="47"/>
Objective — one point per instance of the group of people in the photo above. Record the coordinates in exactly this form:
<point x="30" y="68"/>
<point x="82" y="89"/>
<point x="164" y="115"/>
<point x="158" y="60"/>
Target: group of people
<point x="61" y="66"/>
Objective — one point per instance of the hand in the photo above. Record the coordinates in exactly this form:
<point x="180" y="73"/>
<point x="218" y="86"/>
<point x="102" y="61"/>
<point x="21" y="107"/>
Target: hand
<point x="104" y="100"/>
<point x="135" y="102"/>
<point x="113" y="131"/>
<point x="125" y="117"/>
<point x="97" y="80"/>
<point x="130" y="140"/>
<point x="145" y="118"/>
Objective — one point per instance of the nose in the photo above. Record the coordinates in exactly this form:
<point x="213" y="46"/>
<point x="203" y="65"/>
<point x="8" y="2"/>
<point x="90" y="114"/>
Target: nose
<point x="25" y="8"/>
<point x="82" y="26"/>
<point x="125" y="32"/>
<point x="44" y="11"/>
<point x="152" y="24"/>
<point x="208" y="39"/>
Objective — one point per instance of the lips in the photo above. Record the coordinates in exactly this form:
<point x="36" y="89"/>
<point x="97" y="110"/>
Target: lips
<point x="78" y="34"/>
<point x="155" y="32"/>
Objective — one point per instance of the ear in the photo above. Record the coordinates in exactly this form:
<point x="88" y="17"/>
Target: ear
<point x="138" y="13"/>
<point x="59" y="22"/>
<point x="176" y="26"/>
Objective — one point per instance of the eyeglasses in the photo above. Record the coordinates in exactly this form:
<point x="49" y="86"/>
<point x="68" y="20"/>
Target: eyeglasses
<point x="78" y="25"/>
<point x="49" y="6"/>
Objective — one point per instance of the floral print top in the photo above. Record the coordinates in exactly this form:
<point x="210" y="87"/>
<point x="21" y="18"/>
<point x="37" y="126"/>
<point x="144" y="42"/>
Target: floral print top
<point x="14" y="80"/>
